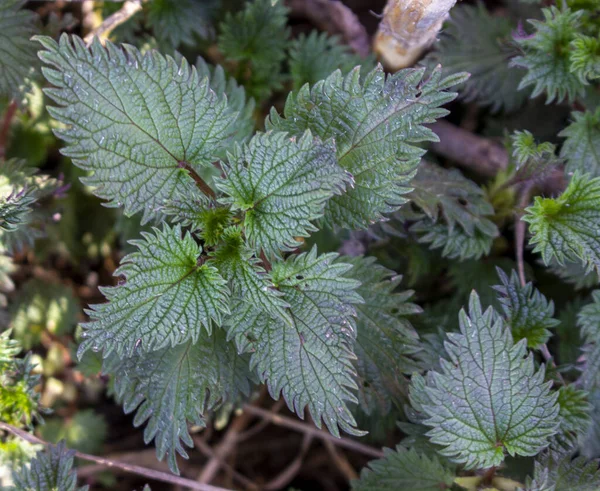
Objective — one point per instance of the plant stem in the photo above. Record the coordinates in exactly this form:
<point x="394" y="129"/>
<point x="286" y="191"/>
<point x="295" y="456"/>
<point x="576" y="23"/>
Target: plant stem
<point x="336" y="18"/>
<point x="6" y="121"/>
<point x="128" y="10"/>
<point x="134" y="469"/>
<point x="316" y="432"/>
<point x="201" y="183"/>
<point x="520" y="232"/>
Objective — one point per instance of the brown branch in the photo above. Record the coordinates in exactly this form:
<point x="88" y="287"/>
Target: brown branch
<point x="5" y="128"/>
<point x="336" y="18"/>
<point x="287" y="474"/>
<point x="201" y="183"/>
<point x="481" y="155"/>
<point x="224" y="447"/>
<point x="312" y="430"/>
<point x="128" y="10"/>
<point x="134" y="469"/>
<point x="484" y="156"/>
<point x="208" y="452"/>
<point x="340" y="461"/>
<point x="520" y="228"/>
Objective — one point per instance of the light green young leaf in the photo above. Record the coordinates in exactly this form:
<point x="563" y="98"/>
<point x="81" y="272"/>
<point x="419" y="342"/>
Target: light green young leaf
<point x="50" y="470"/>
<point x="9" y="349"/>
<point x="546" y="55"/>
<point x="585" y="57"/>
<point x="17" y="52"/>
<point x="310" y="363"/>
<point x="248" y="281"/>
<point x="527" y="312"/>
<point x="564" y="228"/>
<point x="404" y="469"/>
<point x="556" y="471"/>
<point x="487" y="399"/>
<point x="165" y="298"/>
<point x="375" y="122"/>
<point x="386" y="342"/>
<point x="581" y="148"/>
<point x="174" y="386"/>
<point x="281" y="185"/>
<point x="138" y="122"/>
<point x="574" y="412"/>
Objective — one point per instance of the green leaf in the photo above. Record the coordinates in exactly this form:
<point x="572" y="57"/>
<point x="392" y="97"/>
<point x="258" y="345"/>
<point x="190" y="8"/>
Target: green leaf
<point x="555" y="471"/>
<point x="235" y="93"/>
<point x="585" y="58"/>
<point x="525" y="148"/>
<point x="281" y="185"/>
<point x="386" y="342"/>
<point x="9" y="349"/>
<point x="446" y="192"/>
<point x="179" y="21"/>
<point x="526" y="311"/>
<point x="248" y="281"/>
<point x="164" y="298"/>
<point x="488" y="400"/>
<point x="455" y="242"/>
<point x="256" y="38"/>
<point x="561" y="227"/>
<point x="404" y="469"/>
<point x="477" y="42"/>
<point x="375" y="122"/>
<point x="316" y="56"/>
<point x="589" y="319"/>
<point x="310" y="362"/>
<point x="20" y="189"/>
<point x="17" y="52"/>
<point x="456" y="210"/>
<point x="581" y="148"/>
<point x="174" y="386"/>
<point x="574" y="412"/>
<point x="116" y="102"/>
<point x="49" y="471"/>
<point x="547" y="56"/>
<point x="575" y="273"/>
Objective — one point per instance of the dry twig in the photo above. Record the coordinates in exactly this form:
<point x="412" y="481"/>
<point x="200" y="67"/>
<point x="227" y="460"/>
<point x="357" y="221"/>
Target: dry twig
<point x="316" y="432"/>
<point x="134" y="469"/>
<point x="287" y="474"/>
<point x="336" y="18"/>
<point x="5" y="128"/>
<point x="224" y="447"/>
<point x="128" y="10"/>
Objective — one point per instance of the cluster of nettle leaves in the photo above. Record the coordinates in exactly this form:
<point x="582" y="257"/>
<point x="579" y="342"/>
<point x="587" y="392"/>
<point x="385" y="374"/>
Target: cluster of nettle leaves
<point x="217" y="297"/>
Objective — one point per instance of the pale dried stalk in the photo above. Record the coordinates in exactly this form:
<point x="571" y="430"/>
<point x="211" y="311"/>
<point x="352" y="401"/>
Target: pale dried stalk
<point x="128" y="10"/>
<point x="407" y="28"/>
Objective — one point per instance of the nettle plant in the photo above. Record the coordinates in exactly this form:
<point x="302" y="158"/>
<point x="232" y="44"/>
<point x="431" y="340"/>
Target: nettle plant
<point x="222" y="294"/>
<point x="214" y="299"/>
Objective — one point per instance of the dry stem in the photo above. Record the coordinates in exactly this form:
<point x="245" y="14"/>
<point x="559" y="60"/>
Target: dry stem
<point x="134" y="469"/>
<point x="128" y="10"/>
